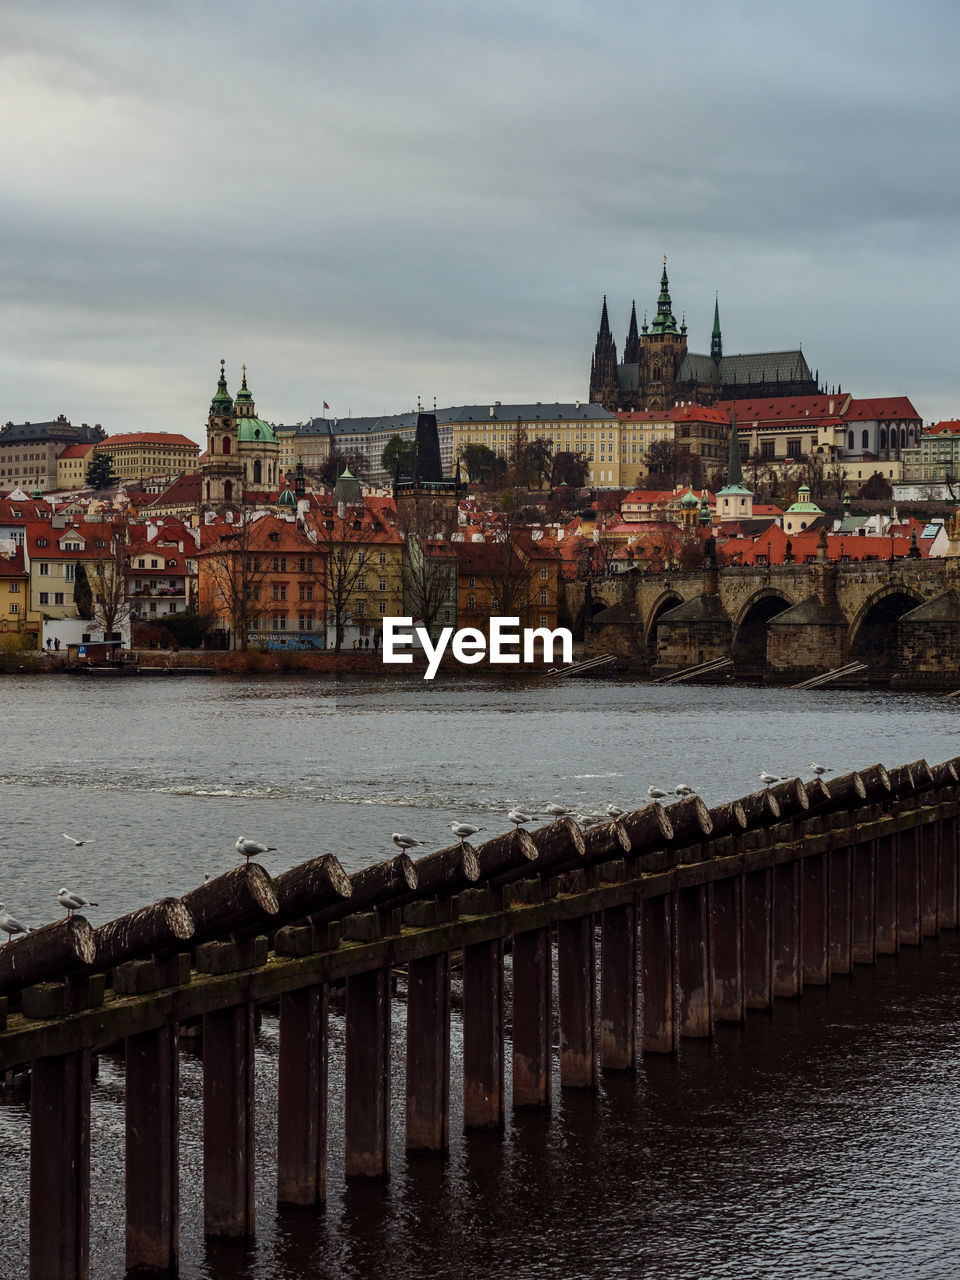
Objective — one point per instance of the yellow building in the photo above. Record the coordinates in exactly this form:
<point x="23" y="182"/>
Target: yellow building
<point x="572" y="428"/>
<point x="14" y="593"/>
<point x="139" y="454"/>
<point x="72" y="466"/>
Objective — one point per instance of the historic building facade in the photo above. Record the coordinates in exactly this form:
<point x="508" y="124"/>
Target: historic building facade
<point x="243" y="455"/>
<point x="658" y="371"/>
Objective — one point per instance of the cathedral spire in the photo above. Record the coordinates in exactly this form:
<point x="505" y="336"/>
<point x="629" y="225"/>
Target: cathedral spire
<point x="664" y="321"/>
<point x="631" y="349"/>
<point x="604" y="387"/>
<point x="716" y="341"/>
<point x="604" y="321"/>
<point x="734" y="465"/>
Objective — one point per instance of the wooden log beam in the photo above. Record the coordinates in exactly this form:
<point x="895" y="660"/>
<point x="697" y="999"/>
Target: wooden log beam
<point x="448" y="871"/>
<point x="694" y="983"/>
<point x="367" y="1121"/>
<point x="791" y="798"/>
<point x="660" y="1031"/>
<point x="648" y="829"/>
<point x="725" y="905"/>
<point x="928" y="838"/>
<point x="691" y="822"/>
<point x="377" y="887"/>
<point x="846" y="792"/>
<point x="864" y="902"/>
<point x="532" y="1019"/>
<point x="908" y="877"/>
<point x="760" y="808"/>
<point x="945" y="774"/>
<point x="602" y="843"/>
<point x="232" y="903"/>
<point x="428" y="1054"/>
<point x="483" y="1057"/>
<point x="947" y="899"/>
<point x="158" y="930"/>
<point x="505" y="854"/>
<point x="302" y="1096"/>
<point x="876" y="782"/>
<point x="787" y="896"/>
<point x="840" y="882"/>
<point x="818" y="794"/>
<point x="815" y="919"/>
<point x="310" y="887"/>
<point x="53" y="951"/>
<point x="756" y="896"/>
<point x="728" y="819"/>
<point x="152" y="1076"/>
<point x="887" y="896"/>
<point x="901" y="781"/>
<point x="559" y="844"/>
<point x="60" y="1167"/>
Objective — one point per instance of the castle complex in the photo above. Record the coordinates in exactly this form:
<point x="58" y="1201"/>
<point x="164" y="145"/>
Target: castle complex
<point x="657" y="371"/>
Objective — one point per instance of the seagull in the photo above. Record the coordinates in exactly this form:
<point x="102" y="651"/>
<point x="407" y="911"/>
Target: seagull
<point x="463" y="831"/>
<point x="10" y="924"/>
<point x="557" y="810"/>
<point x="252" y="848"/>
<point x="656" y="794"/>
<point x="820" y="769"/>
<point x="614" y="811"/>
<point x="518" y="818"/>
<point x="589" y="819"/>
<point x="404" y="842"/>
<point x="770" y="777"/>
<point x="73" y="901"/>
<point x="78" y="843"/>
<point x="681" y="789"/>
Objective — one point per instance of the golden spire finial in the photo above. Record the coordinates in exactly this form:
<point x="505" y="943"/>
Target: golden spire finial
<point x="664" y="259"/>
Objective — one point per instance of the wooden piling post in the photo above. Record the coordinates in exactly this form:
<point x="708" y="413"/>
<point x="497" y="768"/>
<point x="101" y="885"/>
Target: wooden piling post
<point x="367" y="1124"/>
<point x="483" y="1093"/>
<point x="787" y="897"/>
<point x="618" y="988"/>
<point x="532" y="1018"/>
<point x="840" y="882"/>
<point x="694" y="994"/>
<point x="947" y="897"/>
<point x="928" y="840"/>
<point x="152" y="1072"/>
<point x="908" y="875"/>
<point x="660" y="1031"/>
<point x="726" y="949"/>
<point x="756" y="896"/>
<point x="577" y="1000"/>
<point x="888" y="896"/>
<point x="60" y="1167"/>
<point x="428" y="1054"/>
<point x="815" y="919"/>
<point x="302" y="1096"/>
<point x="864" y="902"/>
<point x="229" y="1207"/>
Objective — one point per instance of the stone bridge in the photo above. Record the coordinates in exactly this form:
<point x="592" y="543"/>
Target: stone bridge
<point x="784" y="622"/>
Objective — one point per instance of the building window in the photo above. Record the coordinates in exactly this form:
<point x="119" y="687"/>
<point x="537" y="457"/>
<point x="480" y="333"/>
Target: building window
<point x="44" y="597"/>
<point x="44" y="570"/>
<point x="383" y="557"/>
<point x="14" y="607"/>
<point x="543" y="573"/>
<point x="58" y="597"/>
<point x="70" y="572"/>
<point x="471" y="602"/>
<point x="543" y="595"/>
<point x="767" y="448"/>
<point x="383" y="584"/>
<point x="361" y="608"/>
<point x="14" y="588"/>
<point x="361" y="584"/>
<point x="383" y="606"/>
<point x="794" y="448"/>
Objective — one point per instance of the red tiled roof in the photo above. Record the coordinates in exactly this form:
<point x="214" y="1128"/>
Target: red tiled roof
<point x="950" y="426"/>
<point x="697" y="413"/>
<point x="75" y="451"/>
<point x="883" y="410"/>
<point x="149" y="437"/>
<point x="800" y="409"/>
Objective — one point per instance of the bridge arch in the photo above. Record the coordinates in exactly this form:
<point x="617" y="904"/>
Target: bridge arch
<point x="748" y="646"/>
<point x="874" y="630"/>
<point x="665" y="602"/>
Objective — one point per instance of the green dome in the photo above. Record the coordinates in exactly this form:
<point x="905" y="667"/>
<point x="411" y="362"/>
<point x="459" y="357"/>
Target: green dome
<point x="803" y="505"/>
<point x="255" y="431"/>
<point x="286" y="498"/>
<point x="221" y="404"/>
<point x="689" y="499"/>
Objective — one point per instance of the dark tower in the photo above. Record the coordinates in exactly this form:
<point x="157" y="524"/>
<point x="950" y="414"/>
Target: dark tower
<point x="631" y="348"/>
<point x="603" y="367"/>
<point x="716" y="341"/>
<point x="427" y="462"/>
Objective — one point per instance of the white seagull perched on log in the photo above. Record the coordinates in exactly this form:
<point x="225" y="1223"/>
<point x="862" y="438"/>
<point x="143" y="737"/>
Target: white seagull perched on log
<point x="464" y="830"/>
<point x="10" y="924"/>
<point x="655" y="793"/>
<point x="74" y="901"/>
<point x="681" y="789"/>
<point x="557" y="810"/>
<point x="614" y="811"/>
<point x="820" y="769"/>
<point x="769" y="778"/>
<point x="78" y="843"/>
<point x="252" y="849"/>
<point x="518" y="817"/>
<point x="404" y="842"/>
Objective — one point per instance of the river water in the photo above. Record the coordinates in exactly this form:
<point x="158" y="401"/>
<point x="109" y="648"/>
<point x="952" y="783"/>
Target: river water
<point x="821" y="1140"/>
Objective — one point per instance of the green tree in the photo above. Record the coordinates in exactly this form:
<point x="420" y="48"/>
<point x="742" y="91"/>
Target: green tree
<point x="82" y="593"/>
<point x="479" y="461"/>
<point x="397" y="449"/>
<point x="569" y="469"/>
<point x="100" y="472"/>
<point x="876" y="488"/>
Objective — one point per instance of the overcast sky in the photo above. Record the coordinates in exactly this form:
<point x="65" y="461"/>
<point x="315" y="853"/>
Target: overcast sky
<point x="369" y="202"/>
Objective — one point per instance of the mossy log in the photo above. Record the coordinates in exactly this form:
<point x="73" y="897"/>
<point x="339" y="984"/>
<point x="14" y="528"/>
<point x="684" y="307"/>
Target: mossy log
<point x="648" y="829"/>
<point x="512" y="851"/>
<point x="46" y="954"/>
<point x="158" y="930"/>
<point x="761" y="808"/>
<point x="232" y="903"/>
<point x="310" y="887"/>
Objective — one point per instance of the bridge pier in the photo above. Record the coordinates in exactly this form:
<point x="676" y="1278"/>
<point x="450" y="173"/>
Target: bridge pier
<point x="815" y="920"/>
<point x="483" y="1091"/>
<point x="787" y="895"/>
<point x="367" y="1063"/>
<point x="302" y="1097"/>
<point x="726" y="949"/>
<point x="60" y="1166"/>
<point x="928" y="838"/>
<point x="840" y="893"/>
<point x="152" y="1072"/>
<point x="618" y="988"/>
<point x="864" y="903"/>
<point x="229" y="1206"/>
<point x="577" y="1001"/>
<point x="756" y="896"/>
<point x="695" y="1003"/>
<point x="428" y="1053"/>
<point x="660" y="1028"/>
<point x="908" y="875"/>
<point x="888" y="896"/>
<point x="532" y="1018"/>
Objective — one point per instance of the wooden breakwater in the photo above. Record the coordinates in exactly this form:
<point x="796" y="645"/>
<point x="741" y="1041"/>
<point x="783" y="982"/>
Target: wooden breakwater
<point x="662" y="923"/>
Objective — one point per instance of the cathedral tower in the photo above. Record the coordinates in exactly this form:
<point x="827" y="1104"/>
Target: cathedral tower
<point x="221" y="470"/>
<point x="604" y="388"/>
<point x="662" y="348"/>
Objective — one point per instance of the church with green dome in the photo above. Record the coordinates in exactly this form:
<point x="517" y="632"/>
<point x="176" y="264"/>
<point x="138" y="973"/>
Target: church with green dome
<point x="243" y="454"/>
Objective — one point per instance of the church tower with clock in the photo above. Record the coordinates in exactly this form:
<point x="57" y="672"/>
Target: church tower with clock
<point x="222" y="471"/>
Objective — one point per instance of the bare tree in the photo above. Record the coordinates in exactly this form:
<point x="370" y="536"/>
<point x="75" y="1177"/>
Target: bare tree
<point x="664" y="462"/>
<point x="342" y="538"/>
<point x="429" y="564"/>
<point x="236" y="566"/>
<point x="108" y="587"/>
